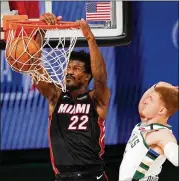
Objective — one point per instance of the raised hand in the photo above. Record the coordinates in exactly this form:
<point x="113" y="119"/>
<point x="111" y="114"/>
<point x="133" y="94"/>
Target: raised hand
<point x="85" y="28"/>
<point x="50" y="18"/>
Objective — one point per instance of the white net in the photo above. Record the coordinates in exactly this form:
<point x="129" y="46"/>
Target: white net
<point x="24" y="55"/>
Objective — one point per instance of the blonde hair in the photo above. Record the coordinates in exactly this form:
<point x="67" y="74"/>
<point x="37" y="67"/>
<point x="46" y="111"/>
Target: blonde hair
<point x="170" y="98"/>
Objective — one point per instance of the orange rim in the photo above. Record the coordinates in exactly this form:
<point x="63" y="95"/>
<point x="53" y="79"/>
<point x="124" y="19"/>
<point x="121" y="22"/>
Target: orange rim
<point x="42" y="25"/>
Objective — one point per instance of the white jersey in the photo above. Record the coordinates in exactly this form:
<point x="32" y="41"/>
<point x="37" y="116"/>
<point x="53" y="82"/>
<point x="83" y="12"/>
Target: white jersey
<point x="141" y="162"/>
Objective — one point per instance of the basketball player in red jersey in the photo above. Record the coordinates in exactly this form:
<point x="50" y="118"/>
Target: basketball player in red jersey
<point x="76" y="128"/>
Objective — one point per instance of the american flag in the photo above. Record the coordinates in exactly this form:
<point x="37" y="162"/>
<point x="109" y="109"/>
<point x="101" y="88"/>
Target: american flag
<point x="98" y="11"/>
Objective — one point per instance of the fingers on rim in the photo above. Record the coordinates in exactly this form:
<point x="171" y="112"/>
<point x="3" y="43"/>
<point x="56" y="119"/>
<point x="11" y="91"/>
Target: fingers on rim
<point x="49" y="18"/>
<point x="45" y="18"/>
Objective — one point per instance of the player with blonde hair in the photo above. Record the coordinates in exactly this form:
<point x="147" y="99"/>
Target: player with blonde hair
<point x="151" y="141"/>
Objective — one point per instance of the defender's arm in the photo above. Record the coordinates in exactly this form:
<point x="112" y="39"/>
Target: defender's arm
<point x="169" y="146"/>
<point x="164" y="139"/>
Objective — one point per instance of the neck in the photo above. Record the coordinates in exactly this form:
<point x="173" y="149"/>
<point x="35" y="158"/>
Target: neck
<point x="75" y="92"/>
<point x="162" y="121"/>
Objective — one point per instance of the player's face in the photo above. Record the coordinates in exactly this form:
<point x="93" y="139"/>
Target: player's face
<point x="151" y="107"/>
<point x="76" y="76"/>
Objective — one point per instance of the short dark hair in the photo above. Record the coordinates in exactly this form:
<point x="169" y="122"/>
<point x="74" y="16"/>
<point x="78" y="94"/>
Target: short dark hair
<point x="84" y="57"/>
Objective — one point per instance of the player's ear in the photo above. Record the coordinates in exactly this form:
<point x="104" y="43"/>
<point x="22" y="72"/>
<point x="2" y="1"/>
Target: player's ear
<point x="88" y="76"/>
<point x="163" y="111"/>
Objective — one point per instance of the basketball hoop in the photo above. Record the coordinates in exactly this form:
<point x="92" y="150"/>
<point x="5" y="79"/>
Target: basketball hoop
<point x="25" y="56"/>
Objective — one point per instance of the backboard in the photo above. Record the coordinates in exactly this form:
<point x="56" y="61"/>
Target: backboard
<point x="110" y="21"/>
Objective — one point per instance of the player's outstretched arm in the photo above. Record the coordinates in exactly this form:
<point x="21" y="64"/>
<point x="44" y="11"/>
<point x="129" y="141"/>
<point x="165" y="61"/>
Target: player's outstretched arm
<point x="98" y="68"/>
<point x="48" y="90"/>
<point x="169" y="145"/>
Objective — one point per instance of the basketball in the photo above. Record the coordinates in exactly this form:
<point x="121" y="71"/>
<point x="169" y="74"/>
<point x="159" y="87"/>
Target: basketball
<point x="22" y="53"/>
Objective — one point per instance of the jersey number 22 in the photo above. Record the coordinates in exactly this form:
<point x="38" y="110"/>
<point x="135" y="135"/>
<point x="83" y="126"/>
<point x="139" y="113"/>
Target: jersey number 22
<point x="78" y="123"/>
